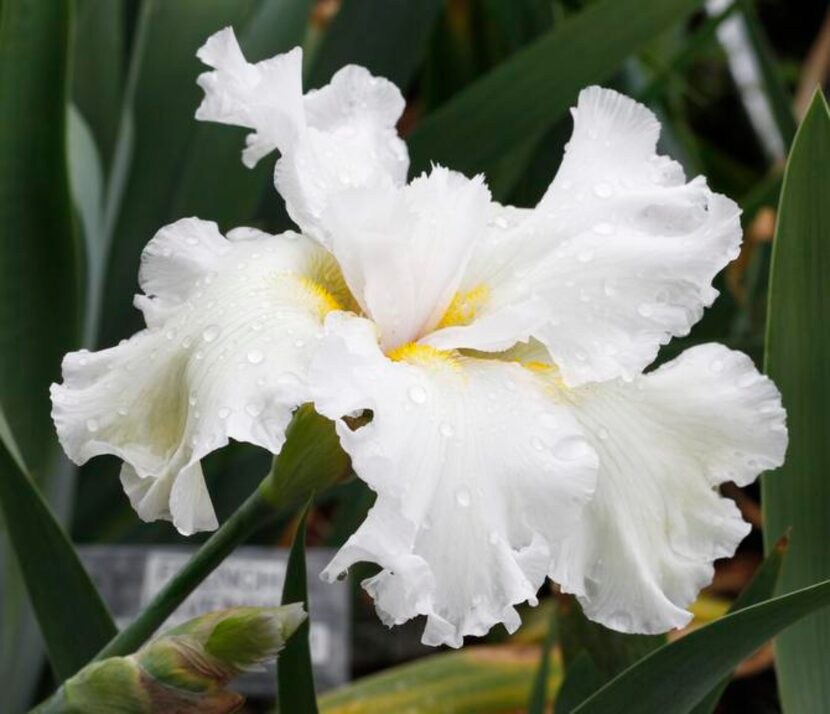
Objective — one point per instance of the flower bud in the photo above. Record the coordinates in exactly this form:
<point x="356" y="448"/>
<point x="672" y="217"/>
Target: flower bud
<point x="184" y="670"/>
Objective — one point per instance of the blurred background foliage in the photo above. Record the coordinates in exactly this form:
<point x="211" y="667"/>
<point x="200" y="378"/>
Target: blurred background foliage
<point x="488" y="84"/>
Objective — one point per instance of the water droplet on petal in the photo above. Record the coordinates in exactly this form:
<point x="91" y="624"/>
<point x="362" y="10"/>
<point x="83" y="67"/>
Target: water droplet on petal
<point x="122" y="412"/>
<point x="602" y="433"/>
<point x="716" y="366"/>
<point x="493" y="538"/>
<point x="223" y="413"/>
<point x="92" y="425"/>
<point x="255" y="356"/>
<point x="462" y="497"/>
<point x="585" y="256"/>
<point x="210" y="333"/>
<point x="417" y="394"/>
<point x="645" y="310"/>
<point x="253" y="409"/>
<point x="537" y="444"/>
<point x="447" y="430"/>
<point x="571" y="448"/>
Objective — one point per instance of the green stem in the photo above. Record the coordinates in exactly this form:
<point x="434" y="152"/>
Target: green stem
<point x="253" y="513"/>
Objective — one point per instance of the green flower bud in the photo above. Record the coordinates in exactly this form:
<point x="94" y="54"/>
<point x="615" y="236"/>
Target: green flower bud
<point x="184" y="670"/>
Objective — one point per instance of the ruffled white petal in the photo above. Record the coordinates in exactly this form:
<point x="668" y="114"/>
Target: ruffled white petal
<point x="350" y="142"/>
<point x="266" y="97"/>
<point x="478" y="471"/>
<point x="225" y="355"/>
<point x="646" y="543"/>
<point x="617" y="258"/>
<point x="403" y="250"/>
<point x="332" y="139"/>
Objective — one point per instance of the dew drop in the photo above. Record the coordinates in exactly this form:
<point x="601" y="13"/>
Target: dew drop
<point x="645" y="310"/>
<point x="417" y="394"/>
<point x="255" y="356"/>
<point x="586" y="256"/>
<point x="170" y="334"/>
<point x="462" y="497"/>
<point x="210" y="333"/>
<point x="493" y="538"/>
<point x="602" y="433"/>
<point x="191" y="400"/>
<point x="223" y="413"/>
<point x="537" y="444"/>
<point x="288" y="379"/>
<point x="570" y="449"/>
<point x="501" y="222"/>
<point x="447" y="430"/>
<point x="122" y="412"/>
<point x="92" y="425"/>
<point x="716" y="366"/>
<point x="254" y="409"/>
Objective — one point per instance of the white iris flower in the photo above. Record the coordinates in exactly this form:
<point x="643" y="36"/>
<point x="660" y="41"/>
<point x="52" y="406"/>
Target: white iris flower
<point x="514" y="435"/>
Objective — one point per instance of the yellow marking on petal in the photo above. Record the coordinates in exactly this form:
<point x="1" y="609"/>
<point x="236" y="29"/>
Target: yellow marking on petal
<point x="313" y="294"/>
<point x="551" y="376"/>
<point x="425" y="356"/>
<point x="324" y="270"/>
<point x="465" y="306"/>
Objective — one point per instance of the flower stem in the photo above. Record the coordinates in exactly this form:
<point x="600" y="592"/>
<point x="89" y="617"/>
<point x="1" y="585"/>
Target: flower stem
<point x="256" y="511"/>
<point x="310" y="461"/>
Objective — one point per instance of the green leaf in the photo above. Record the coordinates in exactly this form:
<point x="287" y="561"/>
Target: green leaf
<point x="796" y="496"/>
<point x="704" y="657"/>
<point x="388" y="37"/>
<point x="779" y="98"/>
<point x="39" y="286"/>
<point x="98" y="68"/>
<point x="760" y="588"/>
<point x="611" y="651"/>
<point x="539" y="692"/>
<point x="530" y="92"/>
<point x="87" y="187"/>
<point x="582" y="679"/>
<point x="156" y="129"/>
<point x="475" y="680"/>
<point x="295" y="680"/>
<point x="73" y="619"/>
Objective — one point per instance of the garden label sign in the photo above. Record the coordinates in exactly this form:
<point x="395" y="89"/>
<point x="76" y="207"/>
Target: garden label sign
<point x="130" y="576"/>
